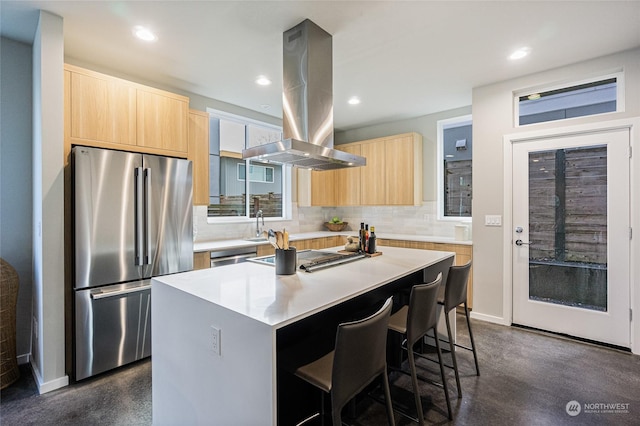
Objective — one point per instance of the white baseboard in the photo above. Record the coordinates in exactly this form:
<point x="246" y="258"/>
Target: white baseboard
<point x="51" y="385"/>
<point x="23" y="359"/>
<point x="489" y="318"/>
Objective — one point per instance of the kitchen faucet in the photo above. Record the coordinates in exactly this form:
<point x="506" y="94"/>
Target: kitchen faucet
<point x="259" y="215"/>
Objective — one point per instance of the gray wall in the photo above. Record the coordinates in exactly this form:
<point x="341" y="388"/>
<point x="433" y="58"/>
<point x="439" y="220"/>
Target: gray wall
<point x="492" y="119"/>
<point x="15" y="178"/>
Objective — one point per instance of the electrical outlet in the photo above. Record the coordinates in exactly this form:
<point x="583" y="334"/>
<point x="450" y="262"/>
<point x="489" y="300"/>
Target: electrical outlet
<point x="215" y="340"/>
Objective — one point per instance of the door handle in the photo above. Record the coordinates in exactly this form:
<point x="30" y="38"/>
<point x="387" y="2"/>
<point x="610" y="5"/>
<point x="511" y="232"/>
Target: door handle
<point x="97" y="295"/>
<point x="147" y="210"/>
<point x="139" y="217"/>
<point x="519" y="242"/>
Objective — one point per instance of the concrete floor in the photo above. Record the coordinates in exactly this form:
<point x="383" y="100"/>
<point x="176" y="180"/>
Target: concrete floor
<point x="527" y="378"/>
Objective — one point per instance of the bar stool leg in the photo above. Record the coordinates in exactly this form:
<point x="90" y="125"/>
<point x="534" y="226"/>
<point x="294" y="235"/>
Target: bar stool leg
<point x="387" y="396"/>
<point x="473" y="344"/>
<point x="452" y="347"/>
<point x="442" y="374"/>
<point x="414" y="381"/>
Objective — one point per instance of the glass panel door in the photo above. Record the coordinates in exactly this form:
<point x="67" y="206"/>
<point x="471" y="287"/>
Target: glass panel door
<point x="571" y="236"/>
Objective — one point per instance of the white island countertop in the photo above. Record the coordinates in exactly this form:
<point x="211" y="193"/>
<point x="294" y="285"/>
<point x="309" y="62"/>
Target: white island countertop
<point x="255" y="291"/>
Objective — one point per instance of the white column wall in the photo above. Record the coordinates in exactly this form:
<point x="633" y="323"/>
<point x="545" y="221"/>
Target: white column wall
<point x="48" y="339"/>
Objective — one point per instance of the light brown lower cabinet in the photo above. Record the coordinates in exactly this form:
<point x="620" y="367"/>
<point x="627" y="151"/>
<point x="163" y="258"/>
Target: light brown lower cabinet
<point x="317" y="243"/>
<point x="265" y="250"/>
<point x="201" y="260"/>
<point x="463" y="255"/>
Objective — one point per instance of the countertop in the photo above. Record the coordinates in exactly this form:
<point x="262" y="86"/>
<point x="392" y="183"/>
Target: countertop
<point x="236" y="243"/>
<point x="255" y="291"/>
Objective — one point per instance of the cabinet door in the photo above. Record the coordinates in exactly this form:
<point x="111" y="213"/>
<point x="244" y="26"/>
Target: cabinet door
<point x="199" y="155"/>
<point x="102" y="109"/>
<point x="201" y="260"/>
<point x="265" y="250"/>
<point x="347" y="181"/>
<point x="323" y="188"/>
<point x="162" y="121"/>
<point x="373" y="187"/>
<point x="399" y="182"/>
<point x="301" y="244"/>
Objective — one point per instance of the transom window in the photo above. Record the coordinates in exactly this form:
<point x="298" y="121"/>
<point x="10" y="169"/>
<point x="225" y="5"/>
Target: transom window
<point x="589" y="97"/>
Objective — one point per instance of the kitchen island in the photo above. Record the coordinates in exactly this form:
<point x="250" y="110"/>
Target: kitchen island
<point x="218" y="334"/>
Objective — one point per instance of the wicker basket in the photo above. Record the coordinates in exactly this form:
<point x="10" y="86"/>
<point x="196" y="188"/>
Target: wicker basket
<point x="336" y="227"/>
<point x="9" y="284"/>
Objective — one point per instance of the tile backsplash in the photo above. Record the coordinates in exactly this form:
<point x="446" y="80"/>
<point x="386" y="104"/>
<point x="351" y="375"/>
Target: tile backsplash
<point x="412" y="220"/>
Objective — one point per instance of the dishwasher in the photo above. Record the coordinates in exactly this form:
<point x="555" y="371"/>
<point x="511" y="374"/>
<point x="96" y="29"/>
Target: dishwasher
<point x="231" y="256"/>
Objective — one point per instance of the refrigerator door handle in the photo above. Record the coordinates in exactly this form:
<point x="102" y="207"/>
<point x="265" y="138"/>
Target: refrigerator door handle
<point x="139" y="217"/>
<point x="147" y="211"/>
<point x="97" y="294"/>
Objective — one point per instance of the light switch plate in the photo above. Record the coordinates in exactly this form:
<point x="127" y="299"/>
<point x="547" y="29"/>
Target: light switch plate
<point x="493" y="220"/>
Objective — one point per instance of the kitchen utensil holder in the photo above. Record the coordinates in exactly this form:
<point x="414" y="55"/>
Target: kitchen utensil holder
<point x="286" y="261"/>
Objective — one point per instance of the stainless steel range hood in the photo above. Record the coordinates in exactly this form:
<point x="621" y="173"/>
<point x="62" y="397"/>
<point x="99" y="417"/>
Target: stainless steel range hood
<point x="307" y="105"/>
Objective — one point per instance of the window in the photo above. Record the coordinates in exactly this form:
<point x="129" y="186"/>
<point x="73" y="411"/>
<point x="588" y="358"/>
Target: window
<point x="231" y="194"/>
<point x="455" y="145"/>
<point x="589" y="97"/>
<point x="256" y="173"/>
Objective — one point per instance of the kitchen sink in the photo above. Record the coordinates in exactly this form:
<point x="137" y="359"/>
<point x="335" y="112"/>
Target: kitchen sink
<point x="256" y="239"/>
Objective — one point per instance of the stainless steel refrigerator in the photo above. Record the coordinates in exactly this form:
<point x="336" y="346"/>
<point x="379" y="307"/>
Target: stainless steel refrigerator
<point x="132" y="221"/>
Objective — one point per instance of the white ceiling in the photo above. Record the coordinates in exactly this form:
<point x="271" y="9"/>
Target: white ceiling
<point x="402" y="58"/>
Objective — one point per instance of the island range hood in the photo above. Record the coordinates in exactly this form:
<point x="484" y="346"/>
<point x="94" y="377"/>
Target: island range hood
<point x="307" y="105"/>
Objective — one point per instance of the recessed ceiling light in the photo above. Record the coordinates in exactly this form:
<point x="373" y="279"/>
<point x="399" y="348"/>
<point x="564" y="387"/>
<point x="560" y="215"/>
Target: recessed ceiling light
<point x="520" y="53"/>
<point x="354" y="100"/>
<point x="262" y="80"/>
<point x="144" y="33"/>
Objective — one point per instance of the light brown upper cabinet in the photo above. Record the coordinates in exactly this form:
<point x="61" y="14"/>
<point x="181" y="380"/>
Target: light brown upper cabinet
<point x="373" y="175"/>
<point x="102" y="108"/>
<point x="199" y="155"/>
<point x="162" y="120"/>
<point x="323" y="188"/>
<point x="403" y="168"/>
<point x="347" y="181"/>
<point x="392" y="176"/>
<point x="110" y="112"/>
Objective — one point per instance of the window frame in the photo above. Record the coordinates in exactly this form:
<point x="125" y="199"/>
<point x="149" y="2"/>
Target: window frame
<point x="620" y="99"/>
<point x="286" y="174"/>
<point x="442" y="125"/>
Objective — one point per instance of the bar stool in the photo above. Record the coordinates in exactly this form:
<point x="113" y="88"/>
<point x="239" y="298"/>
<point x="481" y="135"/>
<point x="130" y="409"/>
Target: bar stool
<point x="358" y="358"/>
<point x="414" y="321"/>
<point x="455" y="294"/>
